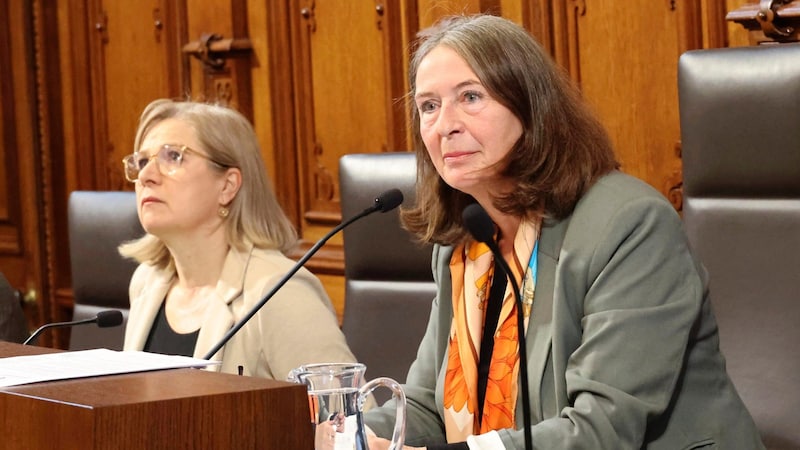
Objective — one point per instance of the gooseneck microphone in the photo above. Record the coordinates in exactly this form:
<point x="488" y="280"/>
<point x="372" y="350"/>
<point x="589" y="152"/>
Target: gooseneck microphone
<point x="386" y="201"/>
<point x="103" y="319"/>
<point x="481" y="227"/>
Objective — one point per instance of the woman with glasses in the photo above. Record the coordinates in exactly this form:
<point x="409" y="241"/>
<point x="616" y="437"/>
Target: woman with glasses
<point x="214" y="246"/>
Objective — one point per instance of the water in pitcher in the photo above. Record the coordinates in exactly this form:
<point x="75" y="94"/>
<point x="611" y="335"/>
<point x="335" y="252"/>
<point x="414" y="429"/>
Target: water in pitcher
<point x="335" y="414"/>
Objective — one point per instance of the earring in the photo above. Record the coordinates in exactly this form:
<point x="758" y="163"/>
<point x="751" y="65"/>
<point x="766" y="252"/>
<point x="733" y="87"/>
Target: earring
<point x="223" y="211"/>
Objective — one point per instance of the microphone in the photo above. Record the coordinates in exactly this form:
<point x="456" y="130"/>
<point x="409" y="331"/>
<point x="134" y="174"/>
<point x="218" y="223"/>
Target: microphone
<point x="103" y="319"/>
<point x="481" y="227"/>
<point x="384" y="202"/>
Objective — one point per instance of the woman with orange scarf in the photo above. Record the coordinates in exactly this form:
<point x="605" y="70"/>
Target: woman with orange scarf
<point x="622" y="349"/>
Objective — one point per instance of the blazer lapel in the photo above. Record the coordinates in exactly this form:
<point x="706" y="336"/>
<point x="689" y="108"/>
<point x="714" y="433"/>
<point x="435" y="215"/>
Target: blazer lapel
<point x="219" y="318"/>
<point x="539" y="334"/>
<point x="153" y="294"/>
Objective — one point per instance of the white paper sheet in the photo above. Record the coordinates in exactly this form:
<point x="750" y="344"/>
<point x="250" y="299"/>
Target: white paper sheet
<point x="17" y="370"/>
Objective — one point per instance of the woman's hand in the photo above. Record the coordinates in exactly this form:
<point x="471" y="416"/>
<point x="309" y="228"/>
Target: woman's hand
<point x="325" y="435"/>
<point x="376" y="443"/>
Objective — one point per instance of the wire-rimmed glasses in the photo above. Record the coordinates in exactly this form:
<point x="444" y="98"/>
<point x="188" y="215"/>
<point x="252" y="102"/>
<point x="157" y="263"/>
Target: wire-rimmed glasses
<point x="168" y="159"/>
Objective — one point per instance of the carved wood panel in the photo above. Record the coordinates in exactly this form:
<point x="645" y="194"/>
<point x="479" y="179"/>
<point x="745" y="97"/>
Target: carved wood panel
<point x="633" y="87"/>
<point x="114" y="58"/>
<point x="22" y="248"/>
<point x="323" y="78"/>
<point x="222" y="51"/>
<point x="138" y="59"/>
<point x="344" y="104"/>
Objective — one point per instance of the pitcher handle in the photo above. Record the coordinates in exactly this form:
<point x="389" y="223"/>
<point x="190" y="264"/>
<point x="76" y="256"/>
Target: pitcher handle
<point x="399" y="434"/>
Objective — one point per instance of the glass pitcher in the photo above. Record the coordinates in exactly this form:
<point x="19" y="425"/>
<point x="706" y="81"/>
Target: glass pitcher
<point x="336" y="397"/>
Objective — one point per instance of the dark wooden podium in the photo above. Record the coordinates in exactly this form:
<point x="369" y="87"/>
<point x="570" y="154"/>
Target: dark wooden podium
<point x="169" y="409"/>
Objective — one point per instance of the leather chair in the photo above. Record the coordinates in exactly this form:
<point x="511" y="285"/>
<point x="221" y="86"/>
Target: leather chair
<point x="740" y="132"/>
<point x="388" y="282"/>
<point x="98" y="223"/>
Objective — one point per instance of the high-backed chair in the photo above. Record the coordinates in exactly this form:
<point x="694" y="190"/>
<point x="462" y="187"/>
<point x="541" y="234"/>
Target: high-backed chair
<point x="740" y="132"/>
<point x="388" y="282"/>
<point x="98" y="223"/>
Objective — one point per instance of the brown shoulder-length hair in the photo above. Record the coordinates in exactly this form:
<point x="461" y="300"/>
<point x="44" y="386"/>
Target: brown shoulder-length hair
<point x="255" y="217"/>
<point x="563" y="149"/>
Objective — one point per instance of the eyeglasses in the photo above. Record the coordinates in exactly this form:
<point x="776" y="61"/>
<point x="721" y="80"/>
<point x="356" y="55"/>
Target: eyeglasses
<point x="168" y="159"/>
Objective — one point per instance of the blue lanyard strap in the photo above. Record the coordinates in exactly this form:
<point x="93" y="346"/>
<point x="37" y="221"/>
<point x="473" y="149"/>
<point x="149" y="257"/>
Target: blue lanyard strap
<point x="529" y="280"/>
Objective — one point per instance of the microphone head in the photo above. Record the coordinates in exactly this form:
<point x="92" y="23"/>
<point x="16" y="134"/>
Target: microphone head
<point x="109" y="318"/>
<point x="388" y="200"/>
<point x="478" y="223"/>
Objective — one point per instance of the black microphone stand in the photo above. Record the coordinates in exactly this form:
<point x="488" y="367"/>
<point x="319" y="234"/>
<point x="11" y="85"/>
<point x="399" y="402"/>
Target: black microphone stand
<point x="481" y="227"/>
<point x="104" y="319"/>
<point x="385" y="202"/>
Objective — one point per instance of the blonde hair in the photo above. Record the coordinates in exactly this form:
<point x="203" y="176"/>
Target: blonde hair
<point x="255" y="216"/>
<point x="563" y="148"/>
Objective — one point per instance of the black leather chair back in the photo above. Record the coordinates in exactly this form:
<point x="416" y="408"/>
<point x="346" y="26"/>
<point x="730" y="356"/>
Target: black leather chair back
<point x="388" y="282"/>
<point x="740" y="132"/>
<point x="98" y="223"/>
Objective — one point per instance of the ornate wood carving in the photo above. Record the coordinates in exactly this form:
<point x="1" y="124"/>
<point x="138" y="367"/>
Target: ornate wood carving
<point x="309" y="148"/>
<point x="769" y="20"/>
<point x="353" y="103"/>
<point x="577" y="8"/>
<point x="43" y="25"/>
<point x="212" y="49"/>
<point x="225" y="69"/>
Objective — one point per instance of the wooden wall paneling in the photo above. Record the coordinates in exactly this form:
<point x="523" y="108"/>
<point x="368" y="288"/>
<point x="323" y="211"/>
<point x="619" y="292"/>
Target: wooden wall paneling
<point x="258" y="24"/>
<point x="432" y="10"/>
<point x="390" y="22"/>
<point x="348" y="85"/>
<point x="22" y="254"/>
<point x="114" y="57"/>
<point x="715" y="31"/>
<point x="303" y="18"/>
<point x="67" y="141"/>
<point x="51" y="165"/>
<point x="628" y="69"/>
<point x="515" y="10"/>
<point x="210" y="18"/>
<point x="138" y="61"/>
<point x="690" y="28"/>
<point x="738" y="36"/>
<point x="282" y="142"/>
<point x="537" y="17"/>
<point x="66" y="71"/>
<point x="341" y="102"/>
<point x="346" y="101"/>
<point x="566" y="44"/>
<point x="409" y="22"/>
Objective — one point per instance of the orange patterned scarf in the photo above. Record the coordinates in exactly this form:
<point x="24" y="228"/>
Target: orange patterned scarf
<point x="471" y="271"/>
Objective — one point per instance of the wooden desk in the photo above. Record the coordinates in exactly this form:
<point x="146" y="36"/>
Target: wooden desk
<point x="169" y="409"/>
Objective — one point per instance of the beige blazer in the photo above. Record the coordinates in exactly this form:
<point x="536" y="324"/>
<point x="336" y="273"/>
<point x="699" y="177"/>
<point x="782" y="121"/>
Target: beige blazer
<point x="297" y="326"/>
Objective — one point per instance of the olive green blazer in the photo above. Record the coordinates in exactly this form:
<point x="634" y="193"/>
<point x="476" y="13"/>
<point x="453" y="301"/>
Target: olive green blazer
<point x="623" y="349"/>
